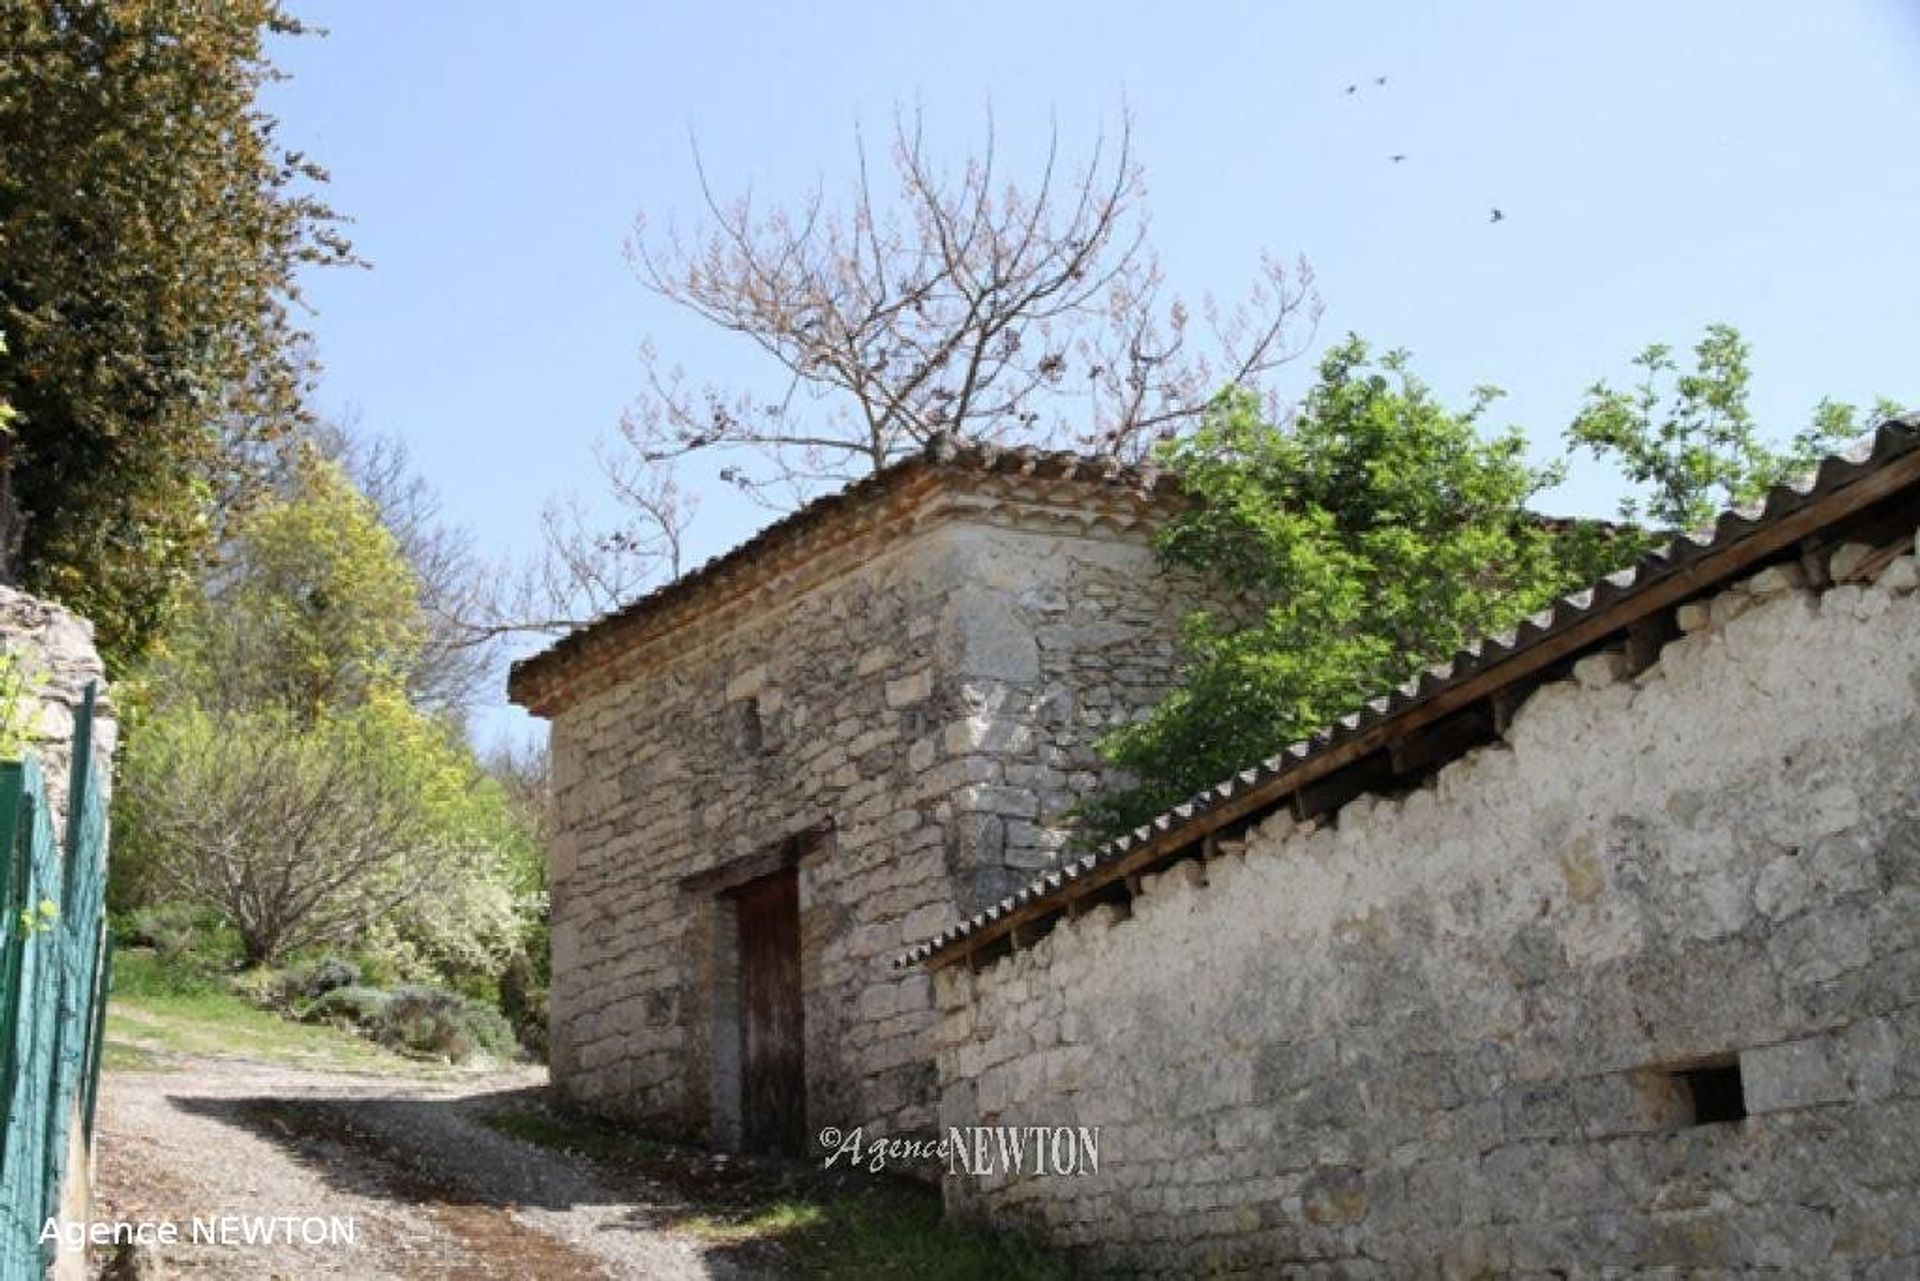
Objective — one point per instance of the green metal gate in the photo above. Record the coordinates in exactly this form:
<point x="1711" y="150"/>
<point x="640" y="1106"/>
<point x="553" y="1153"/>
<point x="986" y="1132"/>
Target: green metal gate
<point x="52" y="988"/>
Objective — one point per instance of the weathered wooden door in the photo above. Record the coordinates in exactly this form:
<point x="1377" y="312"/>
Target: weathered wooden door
<point x="773" y="1104"/>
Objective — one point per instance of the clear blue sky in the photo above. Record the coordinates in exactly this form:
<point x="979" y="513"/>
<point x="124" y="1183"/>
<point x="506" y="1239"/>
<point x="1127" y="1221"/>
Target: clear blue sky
<point x="1661" y="165"/>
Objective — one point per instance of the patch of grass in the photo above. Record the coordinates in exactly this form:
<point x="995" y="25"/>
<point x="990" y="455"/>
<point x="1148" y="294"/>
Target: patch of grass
<point x="780" y="1217"/>
<point x="156" y="1006"/>
<point x="142" y="974"/>
<point x="788" y="1216"/>
<point x="897" y="1230"/>
<point x="126" y="1056"/>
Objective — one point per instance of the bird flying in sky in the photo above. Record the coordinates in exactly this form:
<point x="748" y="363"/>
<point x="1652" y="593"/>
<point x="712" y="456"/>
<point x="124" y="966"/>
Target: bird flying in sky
<point x="1497" y="217"/>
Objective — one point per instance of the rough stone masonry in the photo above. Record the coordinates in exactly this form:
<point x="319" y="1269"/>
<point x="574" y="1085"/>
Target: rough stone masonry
<point x="1507" y="1022"/>
<point x="51" y="660"/>
<point x="894" y="693"/>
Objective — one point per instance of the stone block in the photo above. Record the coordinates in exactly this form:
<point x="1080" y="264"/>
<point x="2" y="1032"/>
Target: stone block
<point x="1335" y="1196"/>
<point x="1793" y="1074"/>
<point x="1900" y="575"/>
<point x="921" y="754"/>
<point x="1845" y="563"/>
<point x="1012" y="802"/>
<point x="908" y="690"/>
<point x="876" y="659"/>
<point x="1870" y="1053"/>
<point x="1841" y="602"/>
<point x="1782" y="888"/>
<point x="1729" y="605"/>
<point x="927" y="922"/>
<point x="1777" y="580"/>
<point x="747" y="683"/>
<point x="1597" y="671"/>
<point x="877" y="1001"/>
<point x="992" y="639"/>
<point x="1617" y="1103"/>
<point x="1537" y="1111"/>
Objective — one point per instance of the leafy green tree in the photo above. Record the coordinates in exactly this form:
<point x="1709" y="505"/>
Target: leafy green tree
<point x="1688" y="442"/>
<point x="527" y="777"/>
<point x="372" y="827"/>
<point x="276" y="770"/>
<point x="1385" y="531"/>
<point x="1388" y="532"/>
<point x="458" y="663"/>
<point x="150" y="232"/>
<point x="312" y="609"/>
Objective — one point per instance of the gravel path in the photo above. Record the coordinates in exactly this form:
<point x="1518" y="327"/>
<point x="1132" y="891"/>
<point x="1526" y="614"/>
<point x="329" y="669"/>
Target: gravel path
<point x="432" y="1192"/>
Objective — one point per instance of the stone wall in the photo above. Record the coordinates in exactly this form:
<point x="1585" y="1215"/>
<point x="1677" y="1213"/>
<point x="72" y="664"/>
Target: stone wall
<point x="923" y="716"/>
<point x="54" y="660"/>
<point x="51" y="661"/>
<point x="1047" y="645"/>
<point x="1448" y="1032"/>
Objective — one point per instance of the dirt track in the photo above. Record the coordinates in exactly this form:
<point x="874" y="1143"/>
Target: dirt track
<point x="431" y="1191"/>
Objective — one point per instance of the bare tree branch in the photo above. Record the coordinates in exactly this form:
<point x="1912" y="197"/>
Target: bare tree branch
<point x="297" y="841"/>
<point x="947" y="303"/>
<point x="928" y="301"/>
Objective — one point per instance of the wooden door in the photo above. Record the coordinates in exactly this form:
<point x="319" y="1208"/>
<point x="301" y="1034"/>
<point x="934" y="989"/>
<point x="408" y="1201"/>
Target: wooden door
<point x="773" y="1104"/>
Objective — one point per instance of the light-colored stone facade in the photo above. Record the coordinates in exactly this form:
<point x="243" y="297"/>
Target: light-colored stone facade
<point x="905" y="697"/>
<point x="1446" y="1032"/>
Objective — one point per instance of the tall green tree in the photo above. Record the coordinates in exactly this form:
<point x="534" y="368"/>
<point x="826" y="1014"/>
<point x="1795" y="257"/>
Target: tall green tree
<point x="313" y="607"/>
<point x="1686" y="441"/>
<point x="278" y="772"/>
<point x="1387" y="531"/>
<point x="373" y="827"/>
<point x="150" y="231"/>
<point x="1380" y="529"/>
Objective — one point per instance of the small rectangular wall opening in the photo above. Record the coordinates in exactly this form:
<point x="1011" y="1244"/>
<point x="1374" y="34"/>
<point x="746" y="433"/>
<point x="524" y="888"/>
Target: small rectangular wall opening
<point x="1713" y="1091"/>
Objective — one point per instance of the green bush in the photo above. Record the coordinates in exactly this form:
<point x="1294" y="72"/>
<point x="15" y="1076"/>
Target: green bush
<point x="311" y="980"/>
<point x="181" y="933"/>
<point x="172" y="950"/>
<point x="262" y="987"/>
<point x="523" y="1000"/>
<point x="145" y="972"/>
<point x="376" y="968"/>
<point x="290" y="989"/>
<point x="353" y="1007"/>
<point x="417" y="1020"/>
<point x="428" y="1020"/>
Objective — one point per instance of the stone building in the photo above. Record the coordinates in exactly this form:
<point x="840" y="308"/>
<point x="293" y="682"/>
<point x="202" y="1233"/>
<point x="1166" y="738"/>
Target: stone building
<point x="779" y="771"/>
<point x="1594" y="952"/>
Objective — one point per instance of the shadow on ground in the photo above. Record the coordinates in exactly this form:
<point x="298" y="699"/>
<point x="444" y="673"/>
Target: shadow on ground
<point x="513" y="1151"/>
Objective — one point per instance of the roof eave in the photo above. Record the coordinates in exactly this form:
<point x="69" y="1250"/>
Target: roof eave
<point x="1579" y="622"/>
